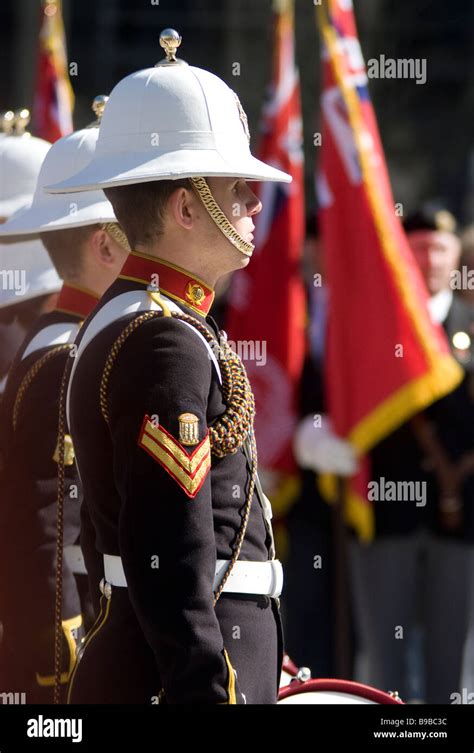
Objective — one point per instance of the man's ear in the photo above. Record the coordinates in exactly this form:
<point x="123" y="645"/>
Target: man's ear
<point x="182" y="205"/>
<point x="103" y="249"/>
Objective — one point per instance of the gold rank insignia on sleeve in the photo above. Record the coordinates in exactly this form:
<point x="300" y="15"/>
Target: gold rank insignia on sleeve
<point x="68" y="451"/>
<point x="189" y="470"/>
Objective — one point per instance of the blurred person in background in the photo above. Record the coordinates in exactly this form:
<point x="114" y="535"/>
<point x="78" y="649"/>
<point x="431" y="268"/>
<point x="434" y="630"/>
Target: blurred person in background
<point x="416" y="572"/>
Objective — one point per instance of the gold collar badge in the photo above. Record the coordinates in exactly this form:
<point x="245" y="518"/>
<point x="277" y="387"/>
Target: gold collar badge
<point x="195" y="294"/>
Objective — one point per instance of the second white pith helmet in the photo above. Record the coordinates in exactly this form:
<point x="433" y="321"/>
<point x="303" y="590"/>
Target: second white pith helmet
<point x="49" y="212"/>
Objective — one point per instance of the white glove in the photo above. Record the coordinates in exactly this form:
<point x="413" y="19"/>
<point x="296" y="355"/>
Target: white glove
<point x="319" y="449"/>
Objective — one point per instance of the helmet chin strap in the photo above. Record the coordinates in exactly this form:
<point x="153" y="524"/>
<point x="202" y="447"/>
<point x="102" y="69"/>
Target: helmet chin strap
<point x="116" y="232"/>
<point x="217" y="215"/>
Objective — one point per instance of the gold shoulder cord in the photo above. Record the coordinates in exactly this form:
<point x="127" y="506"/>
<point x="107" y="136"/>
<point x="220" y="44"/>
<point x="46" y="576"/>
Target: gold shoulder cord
<point x="25" y="383"/>
<point x="230" y="430"/>
<point x="61" y="447"/>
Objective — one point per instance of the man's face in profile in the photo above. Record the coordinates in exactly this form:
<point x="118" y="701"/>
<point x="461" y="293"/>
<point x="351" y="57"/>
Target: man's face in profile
<point x="437" y="254"/>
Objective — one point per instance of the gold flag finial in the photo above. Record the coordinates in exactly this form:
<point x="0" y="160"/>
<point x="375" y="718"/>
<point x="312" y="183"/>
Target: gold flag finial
<point x="21" y="120"/>
<point x="98" y="107"/>
<point x="8" y="122"/>
<point x="170" y="40"/>
<point x="50" y="7"/>
<point x="283" y="6"/>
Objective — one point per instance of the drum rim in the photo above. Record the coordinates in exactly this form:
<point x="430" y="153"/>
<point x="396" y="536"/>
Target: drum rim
<point x="336" y="685"/>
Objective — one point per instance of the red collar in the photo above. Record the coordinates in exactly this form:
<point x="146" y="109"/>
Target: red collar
<point x="75" y="300"/>
<point x="172" y="281"/>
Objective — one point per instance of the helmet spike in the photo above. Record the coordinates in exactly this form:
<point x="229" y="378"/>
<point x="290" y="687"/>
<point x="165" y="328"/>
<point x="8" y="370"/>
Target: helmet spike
<point x="98" y="107"/>
<point x="170" y="40"/>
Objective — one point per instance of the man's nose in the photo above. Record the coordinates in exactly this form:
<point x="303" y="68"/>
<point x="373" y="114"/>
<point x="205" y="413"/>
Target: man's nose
<point x="254" y="206"/>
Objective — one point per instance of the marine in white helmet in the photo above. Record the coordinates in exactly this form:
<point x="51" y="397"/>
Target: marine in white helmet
<point x="87" y="249"/>
<point x="161" y="411"/>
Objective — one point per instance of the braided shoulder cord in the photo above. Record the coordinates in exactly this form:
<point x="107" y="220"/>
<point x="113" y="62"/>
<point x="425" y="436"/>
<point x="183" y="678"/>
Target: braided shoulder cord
<point x="237" y="545"/>
<point x="229" y="432"/>
<point x="58" y="643"/>
<point x="25" y="383"/>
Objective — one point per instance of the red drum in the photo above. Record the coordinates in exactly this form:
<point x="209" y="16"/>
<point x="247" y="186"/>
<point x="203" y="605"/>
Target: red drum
<point x="325" y="691"/>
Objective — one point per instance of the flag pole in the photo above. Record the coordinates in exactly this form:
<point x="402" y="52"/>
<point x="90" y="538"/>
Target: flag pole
<point x="341" y="603"/>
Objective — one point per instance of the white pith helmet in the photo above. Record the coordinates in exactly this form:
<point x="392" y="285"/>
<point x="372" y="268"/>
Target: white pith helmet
<point x="26" y="272"/>
<point x="21" y="157"/>
<point x="170" y="121"/>
<point x="49" y="212"/>
<point x="173" y="121"/>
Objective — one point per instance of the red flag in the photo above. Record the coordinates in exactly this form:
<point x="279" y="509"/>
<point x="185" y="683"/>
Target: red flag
<point x="53" y="100"/>
<point x="385" y="359"/>
<point x="267" y="304"/>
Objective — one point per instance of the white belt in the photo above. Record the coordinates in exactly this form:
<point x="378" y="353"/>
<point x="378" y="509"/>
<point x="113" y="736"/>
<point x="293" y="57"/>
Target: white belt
<point x="75" y="559"/>
<point x="256" y="578"/>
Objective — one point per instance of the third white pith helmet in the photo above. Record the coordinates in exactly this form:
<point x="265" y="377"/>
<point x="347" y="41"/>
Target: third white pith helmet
<point x="21" y="157"/>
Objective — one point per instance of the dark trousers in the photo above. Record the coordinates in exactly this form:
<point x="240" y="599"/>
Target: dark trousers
<point x="118" y="665"/>
<point x="307" y="596"/>
<point x="28" y="639"/>
<point x="399" y="581"/>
